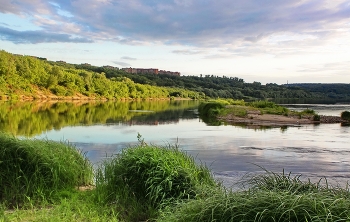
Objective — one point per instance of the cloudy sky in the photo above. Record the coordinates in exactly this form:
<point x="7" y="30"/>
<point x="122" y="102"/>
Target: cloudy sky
<point x="269" y="41"/>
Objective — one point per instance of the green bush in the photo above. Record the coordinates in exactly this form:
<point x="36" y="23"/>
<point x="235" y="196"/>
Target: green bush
<point x="317" y="117"/>
<point x="210" y="109"/>
<point x="149" y="177"/>
<point x="33" y="170"/>
<point x="345" y="115"/>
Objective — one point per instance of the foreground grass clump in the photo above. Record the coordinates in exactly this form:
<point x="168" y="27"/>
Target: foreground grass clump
<point x="145" y="178"/>
<point x="69" y="206"/>
<point x="272" y="197"/>
<point x="35" y="170"/>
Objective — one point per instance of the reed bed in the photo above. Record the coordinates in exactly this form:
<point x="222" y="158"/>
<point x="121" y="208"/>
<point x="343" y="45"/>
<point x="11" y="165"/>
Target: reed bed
<point x="35" y="170"/>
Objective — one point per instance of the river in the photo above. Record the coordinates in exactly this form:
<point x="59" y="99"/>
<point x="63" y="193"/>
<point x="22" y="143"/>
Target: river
<point x="231" y="152"/>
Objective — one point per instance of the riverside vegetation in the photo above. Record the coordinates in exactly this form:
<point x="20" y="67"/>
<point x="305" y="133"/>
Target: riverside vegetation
<point x="40" y="179"/>
<point x="28" y="78"/>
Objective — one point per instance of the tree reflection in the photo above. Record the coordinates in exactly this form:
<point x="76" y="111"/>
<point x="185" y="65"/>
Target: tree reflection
<point x="33" y="118"/>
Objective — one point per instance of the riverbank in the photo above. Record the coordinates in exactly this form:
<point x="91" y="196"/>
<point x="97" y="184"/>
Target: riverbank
<point x="48" y="97"/>
<point x="151" y="183"/>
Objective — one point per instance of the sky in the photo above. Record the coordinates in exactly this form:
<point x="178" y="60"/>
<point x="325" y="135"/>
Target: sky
<point x="268" y="41"/>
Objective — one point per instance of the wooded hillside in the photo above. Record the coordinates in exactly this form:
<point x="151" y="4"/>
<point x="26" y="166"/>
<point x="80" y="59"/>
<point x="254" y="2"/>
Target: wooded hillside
<point x="35" y="77"/>
<point x="29" y="76"/>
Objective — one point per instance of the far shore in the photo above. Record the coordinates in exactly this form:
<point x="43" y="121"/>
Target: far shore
<point x="54" y="98"/>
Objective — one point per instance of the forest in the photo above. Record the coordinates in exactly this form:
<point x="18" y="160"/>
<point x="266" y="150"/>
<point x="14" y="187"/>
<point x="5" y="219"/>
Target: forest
<point x="34" y="77"/>
<point x="31" y="76"/>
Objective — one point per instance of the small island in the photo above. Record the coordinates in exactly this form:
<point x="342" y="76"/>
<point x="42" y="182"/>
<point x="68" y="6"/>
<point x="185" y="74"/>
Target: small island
<point x="263" y="113"/>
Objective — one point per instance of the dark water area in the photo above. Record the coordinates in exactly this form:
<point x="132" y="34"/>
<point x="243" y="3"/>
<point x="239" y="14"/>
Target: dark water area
<point x="231" y="152"/>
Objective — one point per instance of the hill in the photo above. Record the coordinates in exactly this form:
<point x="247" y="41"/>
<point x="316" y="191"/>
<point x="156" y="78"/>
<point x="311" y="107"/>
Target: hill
<point x="30" y="77"/>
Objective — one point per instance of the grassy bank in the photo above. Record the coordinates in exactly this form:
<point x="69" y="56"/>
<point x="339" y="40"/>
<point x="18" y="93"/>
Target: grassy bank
<point x="148" y="183"/>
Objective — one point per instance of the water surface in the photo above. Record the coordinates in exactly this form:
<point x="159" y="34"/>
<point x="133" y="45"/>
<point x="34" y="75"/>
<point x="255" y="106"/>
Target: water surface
<point x="103" y="129"/>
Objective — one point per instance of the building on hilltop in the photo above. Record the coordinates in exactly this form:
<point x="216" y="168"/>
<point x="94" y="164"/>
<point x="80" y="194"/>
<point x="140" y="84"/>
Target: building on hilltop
<point x="149" y="71"/>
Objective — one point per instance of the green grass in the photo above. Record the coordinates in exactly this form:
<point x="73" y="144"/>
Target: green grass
<point x="149" y="183"/>
<point x="236" y="110"/>
<point x="33" y="170"/>
<point x="271" y="197"/>
<point x="269" y="107"/>
<point x="144" y="179"/>
<point x="70" y="206"/>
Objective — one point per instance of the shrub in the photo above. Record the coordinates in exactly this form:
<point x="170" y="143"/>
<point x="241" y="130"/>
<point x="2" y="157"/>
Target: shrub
<point x="149" y="177"/>
<point x="210" y="109"/>
<point x="345" y="115"/>
<point x="317" y="117"/>
<point x="36" y="169"/>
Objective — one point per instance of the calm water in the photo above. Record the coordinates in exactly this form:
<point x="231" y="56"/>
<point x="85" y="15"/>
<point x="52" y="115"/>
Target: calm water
<point x="231" y="152"/>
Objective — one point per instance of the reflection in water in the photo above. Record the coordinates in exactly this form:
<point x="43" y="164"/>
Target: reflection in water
<point x="33" y="118"/>
<point x="103" y="129"/>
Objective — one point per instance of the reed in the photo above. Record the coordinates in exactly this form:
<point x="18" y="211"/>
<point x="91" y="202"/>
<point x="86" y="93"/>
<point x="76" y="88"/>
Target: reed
<point x="34" y="170"/>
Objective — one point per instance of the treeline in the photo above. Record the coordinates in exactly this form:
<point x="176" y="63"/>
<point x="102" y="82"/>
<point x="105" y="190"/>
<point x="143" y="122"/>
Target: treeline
<point x="31" y="76"/>
<point x="26" y="75"/>
<point x="338" y="91"/>
<point x="210" y="85"/>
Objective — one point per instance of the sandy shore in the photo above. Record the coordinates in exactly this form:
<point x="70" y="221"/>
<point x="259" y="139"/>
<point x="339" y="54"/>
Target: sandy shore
<point x="256" y="119"/>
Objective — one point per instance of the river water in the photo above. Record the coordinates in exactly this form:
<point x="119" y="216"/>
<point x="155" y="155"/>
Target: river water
<point x="231" y="152"/>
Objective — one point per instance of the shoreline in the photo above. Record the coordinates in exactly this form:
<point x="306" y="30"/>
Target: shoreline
<point x="51" y="98"/>
<point x="272" y="120"/>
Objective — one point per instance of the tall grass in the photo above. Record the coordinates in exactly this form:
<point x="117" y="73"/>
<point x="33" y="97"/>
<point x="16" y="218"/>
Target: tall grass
<point x="272" y="197"/>
<point x="145" y="178"/>
<point x="33" y="170"/>
<point x="71" y="206"/>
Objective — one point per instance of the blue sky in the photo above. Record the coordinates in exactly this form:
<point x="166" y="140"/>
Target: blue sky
<point x="269" y="41"/>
